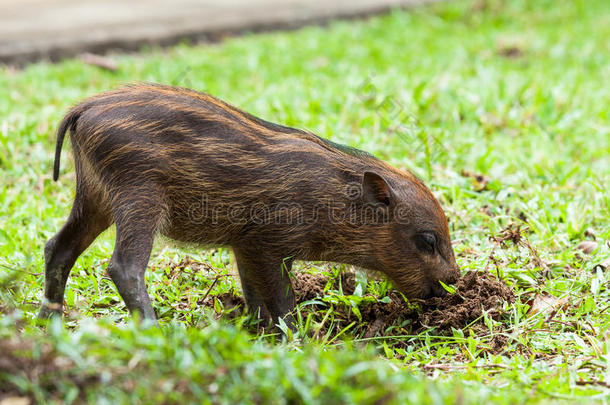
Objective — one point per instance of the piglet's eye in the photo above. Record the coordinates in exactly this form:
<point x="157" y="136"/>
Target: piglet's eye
<point x="426" y="242"/>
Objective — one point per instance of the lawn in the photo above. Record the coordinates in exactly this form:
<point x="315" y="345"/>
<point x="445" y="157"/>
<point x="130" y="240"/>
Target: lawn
<point x="502" y="108"/>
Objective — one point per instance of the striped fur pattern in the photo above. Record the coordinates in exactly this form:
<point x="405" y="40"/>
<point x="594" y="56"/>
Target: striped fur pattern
<point x="155" y="159"/>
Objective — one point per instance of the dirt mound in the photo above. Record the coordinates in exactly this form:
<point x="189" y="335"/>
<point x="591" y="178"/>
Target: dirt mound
<point x="475" y="292"/>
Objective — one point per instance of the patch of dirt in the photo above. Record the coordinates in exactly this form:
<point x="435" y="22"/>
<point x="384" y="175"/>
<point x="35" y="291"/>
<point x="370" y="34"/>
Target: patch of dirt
<point x="309" y="286"/>
<point x="475" y="292"/>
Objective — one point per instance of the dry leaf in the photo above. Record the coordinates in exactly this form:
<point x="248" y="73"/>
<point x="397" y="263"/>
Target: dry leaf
<point x="605" y="265"/>
<point x="587" y="246"/>
<point x="590" y="233"/>
<point x="545" y="303"/>
<point x="103" y="62"/>
<point x="15" y="401"/>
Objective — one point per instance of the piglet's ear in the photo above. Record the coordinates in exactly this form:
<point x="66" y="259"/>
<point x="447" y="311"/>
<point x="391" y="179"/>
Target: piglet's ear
<point x="375" y="190"/>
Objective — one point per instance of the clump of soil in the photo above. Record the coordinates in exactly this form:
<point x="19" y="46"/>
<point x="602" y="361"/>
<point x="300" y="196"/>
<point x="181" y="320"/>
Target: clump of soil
<point x="309" y="286"/>
<point x="475" y="292"/>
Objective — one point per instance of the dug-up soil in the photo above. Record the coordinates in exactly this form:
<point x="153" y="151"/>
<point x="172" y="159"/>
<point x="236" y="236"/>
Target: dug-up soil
<point x="475" y="292"/>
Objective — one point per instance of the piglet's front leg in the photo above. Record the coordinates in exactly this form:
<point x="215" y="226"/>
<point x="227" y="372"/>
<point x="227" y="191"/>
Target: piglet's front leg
<point x="266" y="283"/>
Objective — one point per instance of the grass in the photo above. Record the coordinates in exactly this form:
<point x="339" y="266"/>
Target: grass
<point x="514" y="91"/>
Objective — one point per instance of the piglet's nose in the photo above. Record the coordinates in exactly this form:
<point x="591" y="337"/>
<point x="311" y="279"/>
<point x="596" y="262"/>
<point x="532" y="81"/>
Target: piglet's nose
<point x="454" y="276"/>
<point x="438" y="290"/>
<point x="441" y="292"/>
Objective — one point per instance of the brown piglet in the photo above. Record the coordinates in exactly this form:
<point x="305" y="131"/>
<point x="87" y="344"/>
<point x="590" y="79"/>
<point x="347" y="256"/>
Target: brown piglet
<point x="154" y="159"/>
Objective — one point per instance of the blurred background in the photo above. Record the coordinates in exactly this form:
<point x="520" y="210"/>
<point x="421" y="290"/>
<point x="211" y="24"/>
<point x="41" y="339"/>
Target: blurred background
<point x="52" y="29"/>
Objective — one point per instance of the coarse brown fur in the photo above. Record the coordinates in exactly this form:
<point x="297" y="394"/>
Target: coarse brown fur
<point x="158" y="159"/>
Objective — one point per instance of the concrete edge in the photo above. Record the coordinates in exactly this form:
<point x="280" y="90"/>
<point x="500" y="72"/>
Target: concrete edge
<point x="55" y="53"/>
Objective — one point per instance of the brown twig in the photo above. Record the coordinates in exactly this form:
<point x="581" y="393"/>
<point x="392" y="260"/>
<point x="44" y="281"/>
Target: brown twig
<point x="593" y="382"/>
<point x="211" y="286"/>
